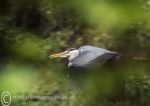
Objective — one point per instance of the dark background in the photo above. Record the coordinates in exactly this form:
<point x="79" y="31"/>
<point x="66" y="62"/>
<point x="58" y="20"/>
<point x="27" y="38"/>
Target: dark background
<point x="30" y="30"/>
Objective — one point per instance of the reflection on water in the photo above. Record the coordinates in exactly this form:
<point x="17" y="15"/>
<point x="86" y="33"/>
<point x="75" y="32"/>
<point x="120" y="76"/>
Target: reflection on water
<point x="121" y="83"/>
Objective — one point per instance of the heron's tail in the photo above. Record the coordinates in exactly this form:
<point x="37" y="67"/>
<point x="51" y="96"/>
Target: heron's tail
<point x="115" y="56"/>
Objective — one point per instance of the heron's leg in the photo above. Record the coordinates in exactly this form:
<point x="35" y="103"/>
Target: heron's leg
<point x="73" y="86"/>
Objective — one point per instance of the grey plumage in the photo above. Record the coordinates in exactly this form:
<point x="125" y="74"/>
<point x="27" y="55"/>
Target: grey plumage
<point x="89" y="55"/>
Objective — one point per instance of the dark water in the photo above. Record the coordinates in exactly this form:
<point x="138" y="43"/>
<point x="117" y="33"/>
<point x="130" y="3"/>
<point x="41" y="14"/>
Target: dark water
<point x="119" y="83"/>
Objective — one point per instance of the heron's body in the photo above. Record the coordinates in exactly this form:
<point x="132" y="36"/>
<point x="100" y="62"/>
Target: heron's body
<point x="87" y="56"/>
<point x="90" y="55"/>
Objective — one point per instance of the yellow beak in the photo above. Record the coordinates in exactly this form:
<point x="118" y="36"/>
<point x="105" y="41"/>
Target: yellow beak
<point x="59" y="55"/>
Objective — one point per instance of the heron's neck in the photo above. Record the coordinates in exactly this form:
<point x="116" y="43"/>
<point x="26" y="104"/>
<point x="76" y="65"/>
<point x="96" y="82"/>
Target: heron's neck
<point x="73" y="54"/>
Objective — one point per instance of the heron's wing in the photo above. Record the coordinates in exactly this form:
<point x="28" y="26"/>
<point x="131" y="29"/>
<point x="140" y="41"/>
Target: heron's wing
<point x="93" y="48"/>
<point x="85" y="58"/>
<point x="105" y="57"/>
<point x="91" y="58"/>
<point x="89" y="55"/>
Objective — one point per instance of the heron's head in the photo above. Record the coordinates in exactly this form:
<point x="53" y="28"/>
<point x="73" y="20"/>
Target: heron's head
<point x="68" y="53"/>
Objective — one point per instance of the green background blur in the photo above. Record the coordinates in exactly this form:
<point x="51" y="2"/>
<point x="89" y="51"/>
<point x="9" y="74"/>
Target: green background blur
<point x="30" y="30"/>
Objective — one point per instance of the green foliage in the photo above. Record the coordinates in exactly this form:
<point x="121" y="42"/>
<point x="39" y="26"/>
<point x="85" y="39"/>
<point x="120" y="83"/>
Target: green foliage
<point x="30" y="30"/>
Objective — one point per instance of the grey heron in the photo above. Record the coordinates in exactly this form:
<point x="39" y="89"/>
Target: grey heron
<point x="86" y="56"/>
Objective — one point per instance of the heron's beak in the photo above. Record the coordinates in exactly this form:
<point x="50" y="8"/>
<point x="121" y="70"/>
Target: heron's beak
<point x="59" y="55"/>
